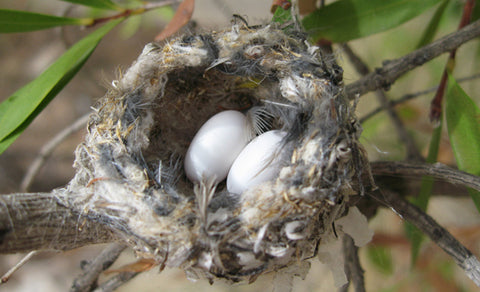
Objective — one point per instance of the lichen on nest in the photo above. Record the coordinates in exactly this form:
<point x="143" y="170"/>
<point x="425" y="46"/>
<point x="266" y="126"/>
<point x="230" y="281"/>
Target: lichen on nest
<point x="129" y="168"/>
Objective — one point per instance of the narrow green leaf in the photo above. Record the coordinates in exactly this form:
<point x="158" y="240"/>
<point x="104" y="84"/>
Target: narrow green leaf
<point x="19" y="110"/>
<point x="22" y="21"/>
<point x="131" y="26"/>
<point x="414" y="234"/>
<point x="281" y="15"/>
<point x="101" y="4"/>
<point x="346" y="20"/>
<point x="381" y="257"/>
<point x="476" y="13"/>
<point x="166" y="12"/>
<point x="463" y="125"/>
<point x="432" y="27"/>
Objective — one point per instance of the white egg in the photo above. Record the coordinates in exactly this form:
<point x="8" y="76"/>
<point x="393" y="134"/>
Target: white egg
<point x="258" y="162"/>
<point x="216" y="145"/>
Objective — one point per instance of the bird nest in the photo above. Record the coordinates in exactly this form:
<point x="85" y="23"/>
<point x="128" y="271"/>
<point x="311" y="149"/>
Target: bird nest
<point x="130" y="173"/>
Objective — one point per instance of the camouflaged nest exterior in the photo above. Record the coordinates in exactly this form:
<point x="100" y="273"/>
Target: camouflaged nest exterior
<point x="130" y="173"/>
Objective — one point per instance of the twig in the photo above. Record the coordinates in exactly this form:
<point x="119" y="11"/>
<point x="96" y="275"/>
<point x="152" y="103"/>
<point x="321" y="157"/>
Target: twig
<point x="48" y="149"/>
<point x="128" y="12"/>
<point x="437" y="170"/>
<point x="412" y="150"/>
<point x="352" y="265"/>
<point x="385" y="76"/>
<point x="411" y="96"/>
<point x="393" y="103"/>
<point x="407" y="211"/>
<point x="117" y="281"/>
<point x="436" y="104"/>
<point x="15" y="268"/>
<point x="86" y="281"/>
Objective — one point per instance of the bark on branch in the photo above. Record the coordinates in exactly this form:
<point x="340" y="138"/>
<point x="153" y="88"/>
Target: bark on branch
<point x="39" y="221"/>
<point x="437" y="170"/>
<point x="407" y="211"/>
<point x="385" y="76"/>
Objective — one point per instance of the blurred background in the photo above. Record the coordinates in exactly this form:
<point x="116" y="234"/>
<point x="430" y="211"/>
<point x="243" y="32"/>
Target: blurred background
<point x="386" y="260"/>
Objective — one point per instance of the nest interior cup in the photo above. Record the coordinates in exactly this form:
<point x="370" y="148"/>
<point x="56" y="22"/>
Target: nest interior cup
<point x="130" y="172"/>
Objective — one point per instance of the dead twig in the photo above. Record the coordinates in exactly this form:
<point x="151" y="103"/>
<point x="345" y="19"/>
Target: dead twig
<point x="15" y="268"/>
<point x="353" y="269"/>
<point x="87" y="280"/>
<point x="48" y="149"/>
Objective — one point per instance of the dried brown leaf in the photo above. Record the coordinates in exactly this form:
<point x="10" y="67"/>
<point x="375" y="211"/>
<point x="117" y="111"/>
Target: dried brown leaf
<point x="306" y="6"/>
<point x="181" y="17"/>
<point x="138" y="266"/>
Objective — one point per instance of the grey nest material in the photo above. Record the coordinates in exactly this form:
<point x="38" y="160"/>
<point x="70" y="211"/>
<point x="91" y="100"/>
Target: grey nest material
<point x="130" y="173"/>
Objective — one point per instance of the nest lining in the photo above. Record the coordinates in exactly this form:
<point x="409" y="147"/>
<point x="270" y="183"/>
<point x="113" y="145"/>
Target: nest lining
<point x="130" y="172"/>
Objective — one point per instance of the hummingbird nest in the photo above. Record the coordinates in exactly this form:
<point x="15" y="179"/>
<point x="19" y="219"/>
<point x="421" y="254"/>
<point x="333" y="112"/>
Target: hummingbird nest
<point x="130" y="173"/>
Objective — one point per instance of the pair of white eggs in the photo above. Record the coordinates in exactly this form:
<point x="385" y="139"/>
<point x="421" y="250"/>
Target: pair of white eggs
<point x="222" y="149"/>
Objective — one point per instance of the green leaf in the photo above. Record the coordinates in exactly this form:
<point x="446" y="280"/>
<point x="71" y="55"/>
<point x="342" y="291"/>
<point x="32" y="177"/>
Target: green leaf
<point x="101" y="4"/>
<point x="166" y="12"/>
<point x="19" y="110"/>
<point x="432" y="27"/>
<point x="463" y="125"/>
<point x="346" y="20"/>
<point x="413" y="233"/>
<point x="281" y="15"/>
<point x="381" y="257"/>
<point x="475" y="13"/>
<point x="131" y="26"/>
<point x="22" y="21"/>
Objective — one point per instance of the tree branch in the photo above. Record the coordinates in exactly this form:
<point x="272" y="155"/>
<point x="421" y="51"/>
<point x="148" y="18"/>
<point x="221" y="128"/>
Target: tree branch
<point x="410" y="96"/>
<point x="352" y="265"/>
<point x="85" y="282"/>
<point x="385" y="76"/>
<point x="117" y="281"/>
<point x="362" y="68"/>
<point x="407" y="211"/>
<point x="437" y="170"/>
<point x="37" y="221"/>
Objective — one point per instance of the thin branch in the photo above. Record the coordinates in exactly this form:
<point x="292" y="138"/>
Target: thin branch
<point x="15" y="268"/>
<point x="48" y="149"/>
<point x="115" y="282"/>
<point x="39" y="221"/>
<point x="352" y="264"/>
<point x="87" y="280"/>
<point x="436" y="103"/>
<point x="437" y="170"/>
<point x="129" y="12"/>
<point x="385" y="76"/>
<point x="411" y="96"/>
<point x="412" y="150"/>
<point x="407" y="211"/>
<point x="393" y="103"/>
